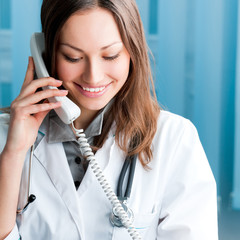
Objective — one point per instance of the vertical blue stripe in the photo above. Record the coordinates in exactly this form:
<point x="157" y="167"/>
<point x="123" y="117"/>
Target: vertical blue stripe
<point x="227" y="102"/>
<point x="5" y="93"/>
<point x="5" y="14"/>
<point x="153" y="17"/>
<point x="208" y="77"/>
<point x="236" y="176"/>
<point x="171" y="55"/>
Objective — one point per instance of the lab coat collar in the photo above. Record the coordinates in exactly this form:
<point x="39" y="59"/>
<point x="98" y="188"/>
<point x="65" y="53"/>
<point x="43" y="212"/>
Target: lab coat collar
<point x="60" y="132"/>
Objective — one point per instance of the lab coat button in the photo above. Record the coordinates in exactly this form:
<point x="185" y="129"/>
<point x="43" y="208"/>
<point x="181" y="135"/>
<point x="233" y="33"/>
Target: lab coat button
<point x="77" y="160"/>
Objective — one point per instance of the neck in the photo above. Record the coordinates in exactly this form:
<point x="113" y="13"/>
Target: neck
<point x="85" y="119"/>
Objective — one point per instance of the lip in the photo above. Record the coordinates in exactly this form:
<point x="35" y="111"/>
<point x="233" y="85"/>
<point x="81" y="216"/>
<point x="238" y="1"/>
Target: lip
<point x="92" y="94"/>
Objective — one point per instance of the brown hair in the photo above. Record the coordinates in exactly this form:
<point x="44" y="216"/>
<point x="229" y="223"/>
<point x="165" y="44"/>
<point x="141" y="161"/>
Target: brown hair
<point x="134" y="110"/>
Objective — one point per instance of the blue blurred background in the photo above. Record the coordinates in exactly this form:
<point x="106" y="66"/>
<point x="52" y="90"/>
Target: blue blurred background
<point x="196" y="45"/>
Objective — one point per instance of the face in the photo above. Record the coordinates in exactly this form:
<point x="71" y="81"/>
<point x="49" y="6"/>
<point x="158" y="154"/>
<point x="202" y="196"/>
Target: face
<point x="91" y="59"/>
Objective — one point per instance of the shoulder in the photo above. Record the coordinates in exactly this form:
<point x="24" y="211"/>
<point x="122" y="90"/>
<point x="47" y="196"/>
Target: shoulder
<point x="177" y="147"/>
<point x="173" y="126"/>
<point x="177" y="139"/>
<point x="166" y="117"/>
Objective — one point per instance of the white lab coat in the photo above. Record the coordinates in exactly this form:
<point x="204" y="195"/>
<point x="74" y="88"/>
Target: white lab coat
<point x="175" y="200"/>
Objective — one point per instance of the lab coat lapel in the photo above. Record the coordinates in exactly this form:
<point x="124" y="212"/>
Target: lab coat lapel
<point x="53" y="159"/>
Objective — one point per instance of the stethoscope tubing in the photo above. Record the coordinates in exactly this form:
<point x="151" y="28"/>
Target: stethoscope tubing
<point x="32" y="197"/>
<point x="130" y="160"/>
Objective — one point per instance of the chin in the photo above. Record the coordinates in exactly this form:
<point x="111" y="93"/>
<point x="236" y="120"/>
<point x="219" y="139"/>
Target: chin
<point x="94" y="107"/>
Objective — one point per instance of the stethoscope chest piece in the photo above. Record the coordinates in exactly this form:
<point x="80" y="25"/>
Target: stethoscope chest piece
<point x="116" y="221"/>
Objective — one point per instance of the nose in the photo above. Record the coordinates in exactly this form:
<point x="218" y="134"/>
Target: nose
<point x="94" y="73"/>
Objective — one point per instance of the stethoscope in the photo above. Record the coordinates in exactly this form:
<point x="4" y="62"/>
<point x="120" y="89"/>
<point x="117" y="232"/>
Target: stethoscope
<point x="129" y="163"/>
<point x="30" y="198"/>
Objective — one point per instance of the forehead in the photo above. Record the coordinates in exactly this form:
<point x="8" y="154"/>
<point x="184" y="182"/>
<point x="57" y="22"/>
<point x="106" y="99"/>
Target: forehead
<point x="91" y="27"/>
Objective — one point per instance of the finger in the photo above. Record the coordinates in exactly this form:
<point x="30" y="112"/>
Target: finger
<point x="38" y="108"/>
<point x="30" y="71"/>
<point x="41" y="95"/>
<point x="39" y="83"/>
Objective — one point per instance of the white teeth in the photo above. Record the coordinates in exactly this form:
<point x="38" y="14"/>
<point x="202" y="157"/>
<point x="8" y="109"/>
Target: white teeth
<point x="93" y="89"/>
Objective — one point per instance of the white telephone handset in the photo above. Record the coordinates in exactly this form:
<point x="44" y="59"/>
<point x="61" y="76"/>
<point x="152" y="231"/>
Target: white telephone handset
<point x="69" y="111"/>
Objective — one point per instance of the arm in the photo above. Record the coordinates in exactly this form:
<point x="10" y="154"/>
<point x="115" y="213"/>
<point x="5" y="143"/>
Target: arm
<point x="25" y="120"/>
<point x="10" y="175"/>
<point x="189" y="208"/>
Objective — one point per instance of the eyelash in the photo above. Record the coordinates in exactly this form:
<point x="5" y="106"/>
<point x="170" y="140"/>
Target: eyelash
<point x="75" y="60"/>
<point x="72" y="60"/>
<point x="112" y="57"/>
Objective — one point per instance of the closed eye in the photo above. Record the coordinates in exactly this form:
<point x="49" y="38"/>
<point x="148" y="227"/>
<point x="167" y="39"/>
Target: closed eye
<point x="72" y="60"/>
<point x="111" y="58"/>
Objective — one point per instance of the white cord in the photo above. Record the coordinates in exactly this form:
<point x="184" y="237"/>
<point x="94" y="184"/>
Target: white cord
<point x="117" y="206"/>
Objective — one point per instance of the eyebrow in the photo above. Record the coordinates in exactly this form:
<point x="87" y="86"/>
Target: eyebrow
<point x="80" y="50"/>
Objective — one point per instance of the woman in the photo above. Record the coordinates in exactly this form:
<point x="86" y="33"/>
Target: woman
<point x="98" y="50"/>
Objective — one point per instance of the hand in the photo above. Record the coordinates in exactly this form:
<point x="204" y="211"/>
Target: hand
<point x="27" y="113"/>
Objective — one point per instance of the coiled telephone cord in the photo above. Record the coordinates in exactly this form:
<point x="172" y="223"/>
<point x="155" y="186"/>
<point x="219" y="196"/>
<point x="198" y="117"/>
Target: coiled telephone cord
<point x="117" y="206"/>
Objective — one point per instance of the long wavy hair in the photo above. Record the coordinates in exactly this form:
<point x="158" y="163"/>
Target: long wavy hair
<point x="135" y="109"/>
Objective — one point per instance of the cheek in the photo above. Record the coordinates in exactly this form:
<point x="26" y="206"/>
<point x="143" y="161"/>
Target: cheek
<point x="63" y="71"/>
<point x="66" y="71"/>
<point x="120" y="70"/>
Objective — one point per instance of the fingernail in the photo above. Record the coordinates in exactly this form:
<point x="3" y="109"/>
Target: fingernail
<point x="64" y="91"/>
<point x="59" y="81"/>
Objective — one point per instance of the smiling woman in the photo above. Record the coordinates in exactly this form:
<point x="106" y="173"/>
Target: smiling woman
<point x="98" y="50"/>
<point x="113" y="30"/>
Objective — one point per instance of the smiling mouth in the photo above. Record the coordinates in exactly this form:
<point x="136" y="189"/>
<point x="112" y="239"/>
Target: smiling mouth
<point x="93" y="90"/>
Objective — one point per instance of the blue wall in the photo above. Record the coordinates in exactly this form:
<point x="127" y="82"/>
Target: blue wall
<point x="18" y="19"/>
<point x="25" y="21"/>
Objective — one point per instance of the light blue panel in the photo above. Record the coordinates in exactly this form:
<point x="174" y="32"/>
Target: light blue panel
<point x="25" y="21"/>
<point x="236" y="184"/>
<point x="171" y="55"/>
<point x="165" y="28"/>
<point x="143" y="6"/>
<point x="208" y="77"/>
